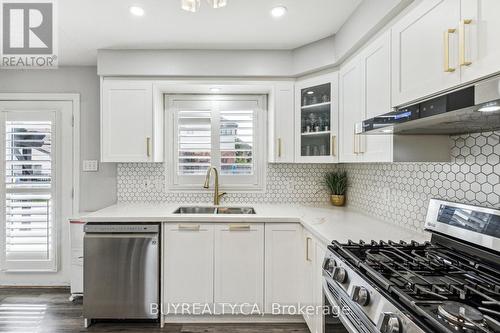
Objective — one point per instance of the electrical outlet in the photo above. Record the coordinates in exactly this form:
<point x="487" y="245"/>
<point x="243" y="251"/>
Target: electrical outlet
<point x="90" y="165"/>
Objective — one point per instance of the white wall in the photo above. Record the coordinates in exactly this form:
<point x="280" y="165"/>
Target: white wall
<point x="97" y="189"/>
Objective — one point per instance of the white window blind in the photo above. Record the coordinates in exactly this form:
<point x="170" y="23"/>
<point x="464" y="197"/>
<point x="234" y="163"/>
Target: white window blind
<point x="221" y="133"/>
<point x="195" y="142"/>
<point x="28" y="188"/>
<point x="236" y="142"/>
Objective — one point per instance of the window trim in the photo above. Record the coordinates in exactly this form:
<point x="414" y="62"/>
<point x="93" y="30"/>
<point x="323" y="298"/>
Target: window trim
<point x="260" y="151"/>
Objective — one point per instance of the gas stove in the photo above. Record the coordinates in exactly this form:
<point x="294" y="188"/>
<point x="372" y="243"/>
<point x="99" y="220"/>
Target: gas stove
<point x="450" y="284"/>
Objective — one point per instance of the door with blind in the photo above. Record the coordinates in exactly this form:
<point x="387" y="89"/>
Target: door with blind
<point x="36" y="194"/>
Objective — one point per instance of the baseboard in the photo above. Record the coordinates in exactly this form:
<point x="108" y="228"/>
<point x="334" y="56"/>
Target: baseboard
<point x="230" y="319"/>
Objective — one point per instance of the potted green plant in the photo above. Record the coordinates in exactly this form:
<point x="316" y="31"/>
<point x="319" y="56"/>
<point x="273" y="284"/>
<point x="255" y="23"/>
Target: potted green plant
<point x="336" y="182"/>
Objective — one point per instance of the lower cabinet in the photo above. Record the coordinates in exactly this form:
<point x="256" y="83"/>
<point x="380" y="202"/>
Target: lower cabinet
<point x="239" y="266"/>
<point x="188" y="264"/>
<point x="282" y="265"/>
<point x="312" y="294"/>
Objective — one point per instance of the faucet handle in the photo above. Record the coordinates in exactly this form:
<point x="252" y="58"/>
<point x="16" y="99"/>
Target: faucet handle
<point x="221" y="194"/>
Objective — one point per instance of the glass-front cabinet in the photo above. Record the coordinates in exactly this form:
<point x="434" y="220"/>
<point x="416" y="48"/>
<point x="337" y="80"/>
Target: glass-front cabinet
<point x="316" y="121"/>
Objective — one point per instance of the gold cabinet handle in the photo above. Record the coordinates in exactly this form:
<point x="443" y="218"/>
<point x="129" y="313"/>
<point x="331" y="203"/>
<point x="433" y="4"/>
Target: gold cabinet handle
<point x="333" y="145"/>
<point x="148" y="146"/>
<point x="239" y="227"/>
<point x="191" y="227"/>
<point x="279" y="147"/>
<point x="461" y="34"/>
<point x="447" y="67"/>
<point x="308" y="240"/>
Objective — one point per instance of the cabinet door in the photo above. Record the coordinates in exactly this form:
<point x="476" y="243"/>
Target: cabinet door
<point x="188" y="263"/>
<point x="423" y="64"/>
<point x="350" y="111"/>
<point x="479" y="31"/>
<point x="281" y="129"/>
<point x="319" y="255"/>
<point x="126" y="121"/>
<point x="376" y="96"/>
<point x="307" y="295"/>
<point x="316" y="120"/>
<point x="239" y="266"/>
<point x="282" y="264"/>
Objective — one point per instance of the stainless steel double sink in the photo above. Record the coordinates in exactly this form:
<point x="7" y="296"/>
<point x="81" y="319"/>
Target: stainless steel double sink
<point x="214" y="210"/>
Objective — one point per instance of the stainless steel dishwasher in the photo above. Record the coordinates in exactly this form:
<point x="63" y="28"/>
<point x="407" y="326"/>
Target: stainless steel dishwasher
<point x="121" y="271"/>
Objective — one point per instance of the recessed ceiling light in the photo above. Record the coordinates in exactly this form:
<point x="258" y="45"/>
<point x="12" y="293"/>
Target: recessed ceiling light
<point x="215" y="90"/>
<point x="310" y="92"/>
<point x="136" y="10"/>
<point x="278" y="11"/>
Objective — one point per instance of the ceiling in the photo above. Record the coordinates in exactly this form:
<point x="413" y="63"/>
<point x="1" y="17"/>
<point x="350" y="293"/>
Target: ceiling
<point x="85" y="26"/>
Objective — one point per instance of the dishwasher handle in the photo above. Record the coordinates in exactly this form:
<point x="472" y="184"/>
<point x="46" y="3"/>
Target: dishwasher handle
<point x="118" y="236"/>
<point x="120" y="228"/>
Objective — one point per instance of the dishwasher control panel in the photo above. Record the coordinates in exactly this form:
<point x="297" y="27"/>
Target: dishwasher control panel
<point x="121" y="228"/>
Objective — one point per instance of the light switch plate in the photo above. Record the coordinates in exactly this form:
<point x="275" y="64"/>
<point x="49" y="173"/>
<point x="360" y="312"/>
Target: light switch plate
<point x="90" y="165"/>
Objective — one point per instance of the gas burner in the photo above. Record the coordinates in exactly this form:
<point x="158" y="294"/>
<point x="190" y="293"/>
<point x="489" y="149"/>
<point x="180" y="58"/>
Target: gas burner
<point x="461" y="315"/>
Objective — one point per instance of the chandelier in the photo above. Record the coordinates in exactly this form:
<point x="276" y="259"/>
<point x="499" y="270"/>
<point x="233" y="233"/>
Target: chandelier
<point x="194" y="5"/>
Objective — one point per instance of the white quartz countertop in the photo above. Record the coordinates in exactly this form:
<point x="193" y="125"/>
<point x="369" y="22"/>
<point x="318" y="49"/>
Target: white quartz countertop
<point x="327" y="223"/>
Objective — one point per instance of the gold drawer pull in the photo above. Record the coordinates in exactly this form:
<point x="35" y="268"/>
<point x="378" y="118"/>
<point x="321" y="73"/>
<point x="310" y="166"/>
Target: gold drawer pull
<point x="333" y="145"/>
<point x="461" y="34"/>
<point x="279" y="147"/>
<point x="447" y="67"/>
<point x="148" y="146"/>
<point x="239" y="227"/>
<point x="190" y="227"/>
<point x="308" y="240"/>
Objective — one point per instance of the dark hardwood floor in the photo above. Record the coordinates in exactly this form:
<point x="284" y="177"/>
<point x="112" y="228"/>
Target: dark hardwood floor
<point x="49" y="311"/>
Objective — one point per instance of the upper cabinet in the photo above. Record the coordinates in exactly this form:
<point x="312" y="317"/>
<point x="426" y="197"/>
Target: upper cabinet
<point x="424" y="52"/>
<point x="365" y="92"/>
<point x="444" y="43"/>
<point x="478" y="31"/>
<point x="316" y="120"/>
<point x="127" y="133"/>
<point x="351" y="112"/>
<point x="281" y="124"/>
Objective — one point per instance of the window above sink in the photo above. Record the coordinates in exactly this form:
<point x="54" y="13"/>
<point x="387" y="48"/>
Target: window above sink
<point x="227" y="132"/>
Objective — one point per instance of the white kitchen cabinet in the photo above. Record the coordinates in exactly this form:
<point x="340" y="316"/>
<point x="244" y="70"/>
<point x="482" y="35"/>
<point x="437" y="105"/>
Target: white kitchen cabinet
<point x="351" y="112"/>
<point x="188" y="263"/>
<point x="281" y="124"/>
<point x="76" y="242"/>
<point x="312" y="284"/>
<point x="307" y="287"/>
<point x="376" y="97"/>
<point x="127" y="117"/>
<point x="239" y="266"/>
<point x="316" y="119"/>
<point x="425" y="50"/>
<point x="282" y="264"/>
<point x="479" y="31"/>
<point x="319" y="256"/>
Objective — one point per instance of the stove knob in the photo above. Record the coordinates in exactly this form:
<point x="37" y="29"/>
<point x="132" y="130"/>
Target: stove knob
<point x="360" y="295"/>
<point x="330" y="265"/>
<point x="390" y="323"/>
<point x="339" y="274"/>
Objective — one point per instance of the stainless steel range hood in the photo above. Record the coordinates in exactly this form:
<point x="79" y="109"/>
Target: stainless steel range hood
<point x="472" y="109"/>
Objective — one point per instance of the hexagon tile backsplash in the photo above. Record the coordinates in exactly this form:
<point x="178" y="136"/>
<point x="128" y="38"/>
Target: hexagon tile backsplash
<point x="400" y="192"/>
<point x="396" y="192"/>
<point x="285" y="183"/>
